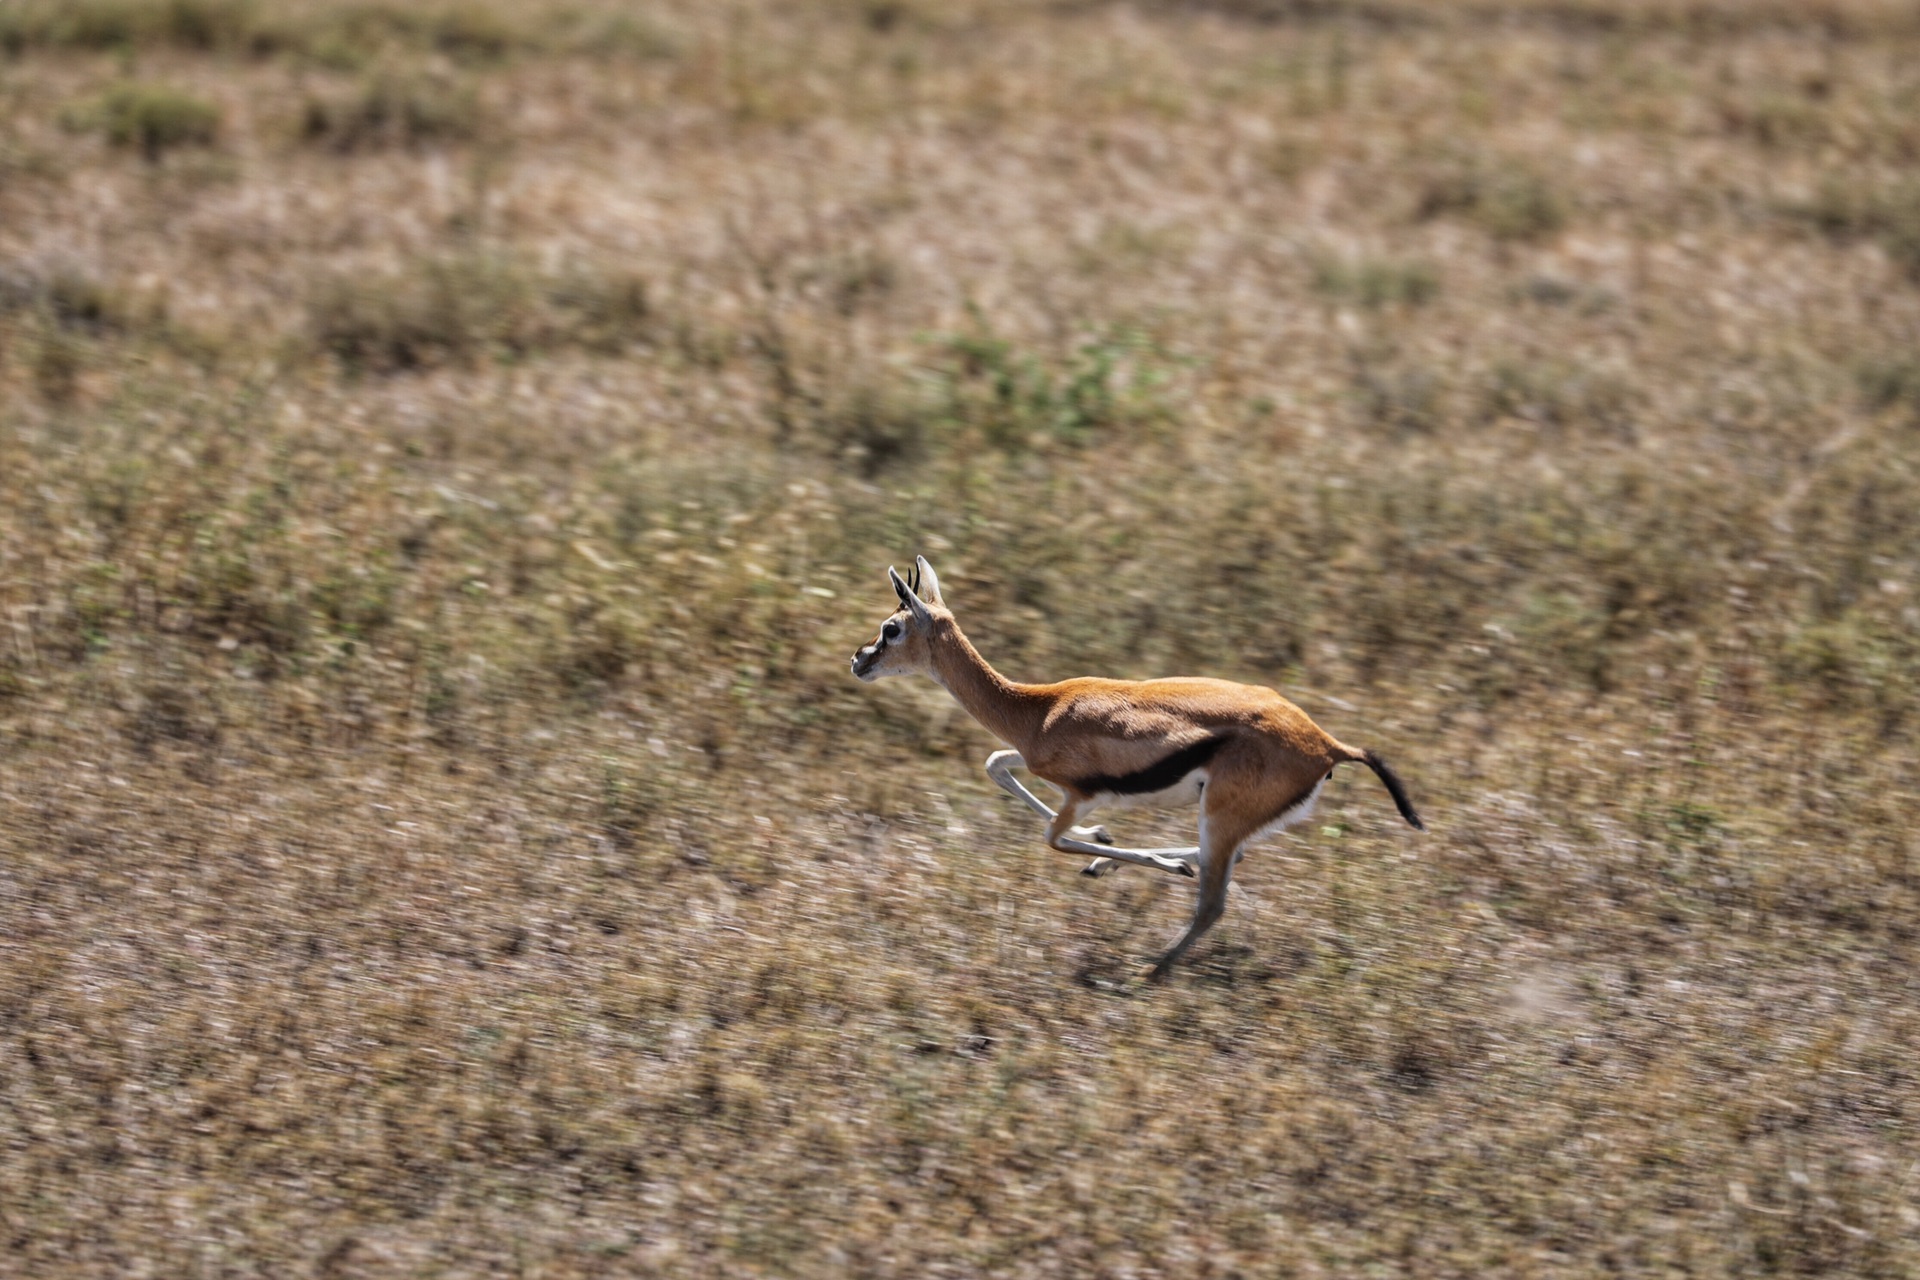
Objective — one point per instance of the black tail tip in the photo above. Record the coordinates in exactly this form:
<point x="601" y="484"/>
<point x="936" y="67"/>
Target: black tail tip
<point x="1395" y="788"/>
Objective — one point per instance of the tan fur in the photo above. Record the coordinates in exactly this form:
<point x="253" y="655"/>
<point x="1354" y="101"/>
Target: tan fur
<point x="1271" y="757"/>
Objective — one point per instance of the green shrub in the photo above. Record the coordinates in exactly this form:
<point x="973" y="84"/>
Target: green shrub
<point x="1846" y="663"/>
<point x="1777" y="120"/>
<point x="876" y="425"/>
<point x="1846" y="211"/>
<point x="1566" y="638"/>
<point x="444" y="311"/>
<point x="1509" y="201"/>
<point x="57" y="362"/>
<point x="1893" y="383"/>
<point x="394" y="109"/>
<point x="1015" y="400"/>
<point x="153" y="118"/>
<point x="1376" y="282"/>
<point x="638" y="36"/>
<point x="80" y="302"/>
<point x="606" y="311"/>
<point x="1838" y="209"/>
<point x="1399" y="399"/>
<point x="128" y="24"/>
<point x="471" y="31"/>
<point x="462" y="307"/>
<point x="1556" y="394"/>
<point x="347" y="34"/>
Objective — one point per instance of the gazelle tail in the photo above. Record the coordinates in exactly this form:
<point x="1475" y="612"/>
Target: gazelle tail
<point x="1395" y="788"/>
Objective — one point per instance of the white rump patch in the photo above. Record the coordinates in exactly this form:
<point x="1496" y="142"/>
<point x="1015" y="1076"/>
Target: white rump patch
<point x="1294" y="814"/>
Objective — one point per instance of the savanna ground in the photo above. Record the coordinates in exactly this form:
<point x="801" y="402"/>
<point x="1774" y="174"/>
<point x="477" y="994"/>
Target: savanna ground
<point x="449" y="452"/>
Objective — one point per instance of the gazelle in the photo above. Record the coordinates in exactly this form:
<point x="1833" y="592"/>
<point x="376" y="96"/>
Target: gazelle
<point x="1252" y="760"/>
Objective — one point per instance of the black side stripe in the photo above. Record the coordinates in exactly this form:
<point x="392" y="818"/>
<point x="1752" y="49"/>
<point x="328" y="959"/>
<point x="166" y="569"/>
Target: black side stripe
<point x="1158" y="776"/>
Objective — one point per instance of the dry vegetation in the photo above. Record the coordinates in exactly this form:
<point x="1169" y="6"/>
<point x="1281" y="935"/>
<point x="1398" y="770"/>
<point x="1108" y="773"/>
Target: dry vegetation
<point x="448" y="452"/>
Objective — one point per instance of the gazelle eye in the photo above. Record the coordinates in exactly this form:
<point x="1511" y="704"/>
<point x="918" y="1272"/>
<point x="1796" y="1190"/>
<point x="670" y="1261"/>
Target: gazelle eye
<point x="891" y="631"/>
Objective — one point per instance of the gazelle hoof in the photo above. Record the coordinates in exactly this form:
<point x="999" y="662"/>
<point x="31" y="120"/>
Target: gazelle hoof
<point x="1099" y="835"/>
<point x="1099" y="867"/>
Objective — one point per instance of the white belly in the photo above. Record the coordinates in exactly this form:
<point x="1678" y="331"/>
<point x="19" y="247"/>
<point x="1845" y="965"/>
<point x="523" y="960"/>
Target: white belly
<point x="1184" y="792"/>
<point x="1187" y="791"/>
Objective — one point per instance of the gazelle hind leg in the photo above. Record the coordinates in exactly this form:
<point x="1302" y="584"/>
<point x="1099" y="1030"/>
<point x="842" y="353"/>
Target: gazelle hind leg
<point x="1062" y="824"/>
<point x="1234" y="806"/>
<point x="1216" y="872"/>
<point x="1186" y="856"/>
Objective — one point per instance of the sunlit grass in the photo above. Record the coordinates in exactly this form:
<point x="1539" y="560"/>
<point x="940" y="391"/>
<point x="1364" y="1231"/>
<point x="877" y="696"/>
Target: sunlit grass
<point x="438" y="831"/>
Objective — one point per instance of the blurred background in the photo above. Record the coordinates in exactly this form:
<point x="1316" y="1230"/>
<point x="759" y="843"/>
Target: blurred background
<point x="449" y="451"/>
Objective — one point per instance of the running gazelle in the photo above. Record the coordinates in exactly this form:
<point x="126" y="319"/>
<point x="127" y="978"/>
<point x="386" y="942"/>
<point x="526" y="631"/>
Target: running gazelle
<point x="1252" y="760"/>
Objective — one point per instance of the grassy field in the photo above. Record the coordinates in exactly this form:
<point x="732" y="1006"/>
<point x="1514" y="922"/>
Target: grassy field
<point x="448" y="453"/>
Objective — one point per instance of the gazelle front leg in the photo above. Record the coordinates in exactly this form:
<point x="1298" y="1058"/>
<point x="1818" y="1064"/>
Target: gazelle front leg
<point x="1000" y="767"/>
<point x="1232" y="809"/>
<point x="1063" y="835"/>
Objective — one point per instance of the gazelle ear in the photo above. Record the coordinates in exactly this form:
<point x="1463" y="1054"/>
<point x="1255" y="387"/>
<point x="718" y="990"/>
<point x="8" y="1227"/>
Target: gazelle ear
<point x="906" y="595"/>
<point x="928" y="579"/>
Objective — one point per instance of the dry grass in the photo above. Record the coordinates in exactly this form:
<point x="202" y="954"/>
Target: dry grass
<point x="438" y="834"/>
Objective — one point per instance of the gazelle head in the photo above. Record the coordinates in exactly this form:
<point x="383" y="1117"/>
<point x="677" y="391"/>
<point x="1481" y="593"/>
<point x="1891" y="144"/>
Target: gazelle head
<point x="904" y="646"/>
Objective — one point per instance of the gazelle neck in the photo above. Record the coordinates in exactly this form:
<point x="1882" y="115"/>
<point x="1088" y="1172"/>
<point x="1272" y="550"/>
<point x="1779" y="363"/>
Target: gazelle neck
<point x="1006" y="710"/>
